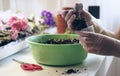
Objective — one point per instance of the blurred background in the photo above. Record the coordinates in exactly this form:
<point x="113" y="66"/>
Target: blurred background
<point x="108" y="9"/>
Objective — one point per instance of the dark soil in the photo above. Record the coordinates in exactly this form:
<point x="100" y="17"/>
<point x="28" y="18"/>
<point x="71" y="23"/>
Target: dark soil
<point x="65" y="41"/>
<point x="79" y="24"/>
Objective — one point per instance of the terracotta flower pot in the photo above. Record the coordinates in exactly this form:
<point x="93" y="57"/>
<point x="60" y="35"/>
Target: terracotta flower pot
<point x="60" y="22"/>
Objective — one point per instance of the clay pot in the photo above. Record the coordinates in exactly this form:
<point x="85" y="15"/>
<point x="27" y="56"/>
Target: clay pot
<point x="60" y="22"/>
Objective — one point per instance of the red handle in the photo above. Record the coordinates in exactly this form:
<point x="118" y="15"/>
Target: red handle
<point x="28" y="66"/>
<point x="31" y="67"/>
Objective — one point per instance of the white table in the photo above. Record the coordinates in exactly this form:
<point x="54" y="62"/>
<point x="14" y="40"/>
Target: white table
<point x="95" y="65"/>
<point x="90" y="67"/>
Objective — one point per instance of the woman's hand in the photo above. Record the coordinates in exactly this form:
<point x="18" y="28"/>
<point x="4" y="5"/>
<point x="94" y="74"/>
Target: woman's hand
<point x="99" y="44"/>
<point x="69" y="17"/>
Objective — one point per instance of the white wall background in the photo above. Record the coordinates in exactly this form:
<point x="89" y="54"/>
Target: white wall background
<point x="30" y="7"/>
<point x="4" y="4"/>
<point x="1" y="5"/>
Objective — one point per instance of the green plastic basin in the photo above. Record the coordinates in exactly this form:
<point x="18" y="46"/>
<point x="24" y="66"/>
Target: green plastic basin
<point x="56" y="54"/>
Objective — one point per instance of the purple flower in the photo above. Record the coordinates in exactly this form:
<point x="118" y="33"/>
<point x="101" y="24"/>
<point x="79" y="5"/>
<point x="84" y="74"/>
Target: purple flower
<point x="51" y="23"/>
<point x="43" y="13"/>
<point x="46" y="21"/>
<point x="48" y="14"/>
<point x="48" y="18"/>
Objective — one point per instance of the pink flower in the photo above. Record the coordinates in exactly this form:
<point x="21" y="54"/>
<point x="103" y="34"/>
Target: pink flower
<point x="15" y="35"/>
<point x="18" y="24"/>
<point x="1" y="25"/>
<point x="11" y="20"/>
<point x="1" y="28"/>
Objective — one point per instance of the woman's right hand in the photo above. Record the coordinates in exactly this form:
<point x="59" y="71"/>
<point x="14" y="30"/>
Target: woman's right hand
<point x="99" y="44"/>
<point x="69" y="17"/>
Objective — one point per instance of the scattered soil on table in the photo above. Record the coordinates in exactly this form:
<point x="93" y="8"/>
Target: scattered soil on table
<point x="72" y="71"/>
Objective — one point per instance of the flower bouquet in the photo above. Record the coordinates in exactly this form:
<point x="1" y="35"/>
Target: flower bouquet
<point x="15" y="28"/>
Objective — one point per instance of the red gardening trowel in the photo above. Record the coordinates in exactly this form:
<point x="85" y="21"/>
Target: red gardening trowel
<point x="28" y="66"/>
